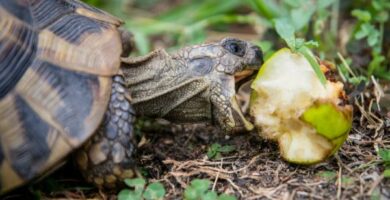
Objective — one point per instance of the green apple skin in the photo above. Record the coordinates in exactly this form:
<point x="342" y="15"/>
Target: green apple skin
<point x="310" y="124"/>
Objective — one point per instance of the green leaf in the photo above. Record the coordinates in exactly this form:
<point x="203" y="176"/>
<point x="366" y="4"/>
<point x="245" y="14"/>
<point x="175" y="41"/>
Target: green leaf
<point x="189" y="12"/>
<point x="227" y="148"/>
<point x="376" y="194"/>
<point x="200" y="185"/>
<point x="211" y="154"/>
<point x="124" y="194"/>
<point x="213" y="150"/>
<point x="373" y="38"/>
<point x="386" y="173"/>
<point x="96" y="3"/>
<point x="384" y="154"/>
<point x="215" y="146"/>
<point x="294" y="3"/>
<point x="141" y="41"/>
<point x="127" y="194"/>
<point x="322" y="4"/>
<point x="300" y="17"/>
<point x="327" y="175"/>
<point x="361" y="15"/>
<point x="347" y="181"/>
<point x="357" y="80"/>
<point x="264" y="45"/>
<point x="367" y="30"/>
<point x="217" y="156"/>
<point x="210" y="195"/>
<point x="154" y="191"/>
<point x="267" y="48"/>
<point x="375" y="63"/>
<point x="286" y="31"/>
<point x="226" y="197"/>
<point x="196" y="189"/>
<point x="313" y="62"/>
<point x="267" y="8"/>
<point x="311" y="44"/>
<point x="361" y="33"/>
<point x="137" y="183"/>
<point x="379" y="5"/>
<point x="382" y="17"/>
<point x="299" y="42"/>
<point x="383" y="73"/>
<point x="191" y="194"/>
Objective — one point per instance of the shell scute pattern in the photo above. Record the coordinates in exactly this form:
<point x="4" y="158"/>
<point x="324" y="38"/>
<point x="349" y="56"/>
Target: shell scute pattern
<point x="30" y="149"/>
<point x="17" y="51"/>
<point x="72" y="27"/>
<point x="74" y="93"/>
<point x="57" y="59"/>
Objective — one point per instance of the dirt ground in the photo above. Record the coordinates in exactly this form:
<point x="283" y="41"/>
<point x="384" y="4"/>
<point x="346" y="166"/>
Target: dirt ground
<point x="176" y="154"/>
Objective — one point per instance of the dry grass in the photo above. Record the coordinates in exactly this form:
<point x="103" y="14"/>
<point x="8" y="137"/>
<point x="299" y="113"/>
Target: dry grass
<point x="254" y="170"/>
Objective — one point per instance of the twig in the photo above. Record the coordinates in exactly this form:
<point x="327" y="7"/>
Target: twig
<point x="375" y="184"/>
<point x="339" y="183"/>
<point x="216" y="178"/>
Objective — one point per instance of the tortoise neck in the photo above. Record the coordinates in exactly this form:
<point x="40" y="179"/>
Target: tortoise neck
<point x="162" y="86"/>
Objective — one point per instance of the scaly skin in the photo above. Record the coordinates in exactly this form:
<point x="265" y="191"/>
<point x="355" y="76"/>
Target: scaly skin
<point x="107" y="158"/>
<point x="195" y="84"/>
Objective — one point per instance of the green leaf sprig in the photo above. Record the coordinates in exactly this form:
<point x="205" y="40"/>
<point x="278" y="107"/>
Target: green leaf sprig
<point x="384" y="154"/>
<point x="287" y="32"/>
<point x="199" y="190"/>
<point x="137" y="190"/>
<point x="215" y="150"/>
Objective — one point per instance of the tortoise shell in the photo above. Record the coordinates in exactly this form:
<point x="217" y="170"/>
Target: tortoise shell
<point x="56" y="62"/>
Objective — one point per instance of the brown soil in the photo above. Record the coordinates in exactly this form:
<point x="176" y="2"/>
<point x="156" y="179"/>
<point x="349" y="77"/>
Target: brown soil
<point x="177" y="155"/>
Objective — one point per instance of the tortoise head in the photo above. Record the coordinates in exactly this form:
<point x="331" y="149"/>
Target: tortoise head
<point x="225" y="64"/>
<point x="195" y="84"/>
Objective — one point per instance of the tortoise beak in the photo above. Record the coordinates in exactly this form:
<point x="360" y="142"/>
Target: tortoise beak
<point x="242" y="77"/>
<point x="239" y="76"/>
<point x="253" y="64"/>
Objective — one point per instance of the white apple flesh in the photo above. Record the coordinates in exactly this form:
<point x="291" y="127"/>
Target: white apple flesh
<point x="290" y="105"/>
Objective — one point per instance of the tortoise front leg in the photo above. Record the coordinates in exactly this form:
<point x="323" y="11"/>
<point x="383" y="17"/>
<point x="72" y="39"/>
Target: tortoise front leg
<point x="227" y="112"/>
<point x="106" y="159"/>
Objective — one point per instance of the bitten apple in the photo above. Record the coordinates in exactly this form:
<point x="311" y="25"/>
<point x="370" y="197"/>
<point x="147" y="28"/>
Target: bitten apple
<point x="308" y="119"/>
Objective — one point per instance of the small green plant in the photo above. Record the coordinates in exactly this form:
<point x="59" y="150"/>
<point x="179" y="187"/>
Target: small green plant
<point x="215" y="150"/>
<point x="376" y="194"/>
<point x="385" y="156"/>
<point x="287" y="32"/>
<point x="137" y="191"/>
<point x="327" y="175"/>
<point x="347" y="74"/>
<point x="370" y="26"/>
<point x="199" y="190"/>
<point x="331" y="176"/>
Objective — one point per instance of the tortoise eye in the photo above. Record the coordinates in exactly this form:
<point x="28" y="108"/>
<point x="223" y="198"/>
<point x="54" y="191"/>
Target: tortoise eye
<point x="235" y="47"/>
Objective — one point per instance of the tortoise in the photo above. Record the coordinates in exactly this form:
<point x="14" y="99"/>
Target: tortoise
<point x="68" y="85"/>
